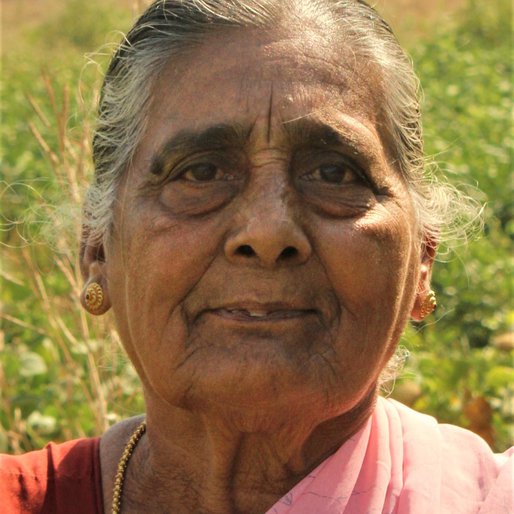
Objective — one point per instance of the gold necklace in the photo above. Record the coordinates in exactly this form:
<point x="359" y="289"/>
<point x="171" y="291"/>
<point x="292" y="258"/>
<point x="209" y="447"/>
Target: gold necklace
<point x="122" y="467"/>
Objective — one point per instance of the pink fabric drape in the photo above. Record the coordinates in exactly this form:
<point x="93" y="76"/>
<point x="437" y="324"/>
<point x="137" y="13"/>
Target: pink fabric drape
<point x="403" y="462"/>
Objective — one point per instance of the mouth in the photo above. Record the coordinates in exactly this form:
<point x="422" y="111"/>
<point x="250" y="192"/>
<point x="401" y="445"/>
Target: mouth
<point x="261" y="313"/>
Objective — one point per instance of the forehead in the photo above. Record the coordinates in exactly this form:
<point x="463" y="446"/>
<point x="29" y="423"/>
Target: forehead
<point x="243" y="77"/>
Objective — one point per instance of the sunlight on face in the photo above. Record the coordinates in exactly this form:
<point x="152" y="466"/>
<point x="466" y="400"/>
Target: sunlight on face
<point x="264" y="256"/>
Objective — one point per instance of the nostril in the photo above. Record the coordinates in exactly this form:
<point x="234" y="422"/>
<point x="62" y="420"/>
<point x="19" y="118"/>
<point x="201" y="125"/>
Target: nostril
<point x="288" y="252"/>
<point x="245" y="250"/>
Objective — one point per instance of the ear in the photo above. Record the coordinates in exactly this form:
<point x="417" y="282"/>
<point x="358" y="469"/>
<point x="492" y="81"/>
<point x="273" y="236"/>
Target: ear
<point x="93" y="268"/>
<point x="427" y="254"/>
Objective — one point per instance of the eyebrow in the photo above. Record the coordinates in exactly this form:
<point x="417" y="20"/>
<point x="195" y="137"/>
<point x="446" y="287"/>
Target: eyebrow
<point x="313" y="132"/>
<point x="188" y="141"/>
<point x="304" y="132"/>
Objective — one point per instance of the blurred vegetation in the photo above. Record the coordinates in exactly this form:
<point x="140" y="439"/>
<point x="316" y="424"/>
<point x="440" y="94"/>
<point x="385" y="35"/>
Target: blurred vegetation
<point x="460" y="368"/>
<point x="62" y="374"/>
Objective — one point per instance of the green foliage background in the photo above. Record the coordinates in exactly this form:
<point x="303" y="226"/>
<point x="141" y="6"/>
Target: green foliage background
<point x="62" y="375"/>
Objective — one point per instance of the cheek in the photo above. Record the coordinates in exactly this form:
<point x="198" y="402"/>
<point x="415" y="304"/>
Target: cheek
<point x="370" y="264"/>
<point x="364" y="271"/>
<point x="371" y="267"/>
<point x="166" y="255"/>
<point x="157" y="261"/>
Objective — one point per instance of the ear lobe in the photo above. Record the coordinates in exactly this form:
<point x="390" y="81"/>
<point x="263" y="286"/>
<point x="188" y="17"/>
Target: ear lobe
<point x="428" y="252"/>
<point x="95" y="295"/>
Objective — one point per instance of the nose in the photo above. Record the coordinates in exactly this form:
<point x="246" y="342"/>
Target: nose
<point x="266" y="233"/>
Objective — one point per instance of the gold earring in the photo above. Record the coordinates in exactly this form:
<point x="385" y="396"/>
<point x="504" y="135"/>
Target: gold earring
<point x="428" y="305"/>
<point x="94" y="297"/>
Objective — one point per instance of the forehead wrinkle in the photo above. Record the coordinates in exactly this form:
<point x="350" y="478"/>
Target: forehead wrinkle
<point x="270" y="115"/>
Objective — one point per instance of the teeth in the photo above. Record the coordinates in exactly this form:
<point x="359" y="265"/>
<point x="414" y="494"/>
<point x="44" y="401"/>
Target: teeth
<point x="268" y="315"/>
<point x="257" y="314"/>
<point x="253" y="314"/>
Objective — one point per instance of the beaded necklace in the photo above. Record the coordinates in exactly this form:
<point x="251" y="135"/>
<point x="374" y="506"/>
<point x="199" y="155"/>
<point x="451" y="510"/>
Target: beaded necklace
<point x="121" y="471"/>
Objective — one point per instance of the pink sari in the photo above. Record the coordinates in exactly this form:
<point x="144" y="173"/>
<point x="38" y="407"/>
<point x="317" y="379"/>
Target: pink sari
<point x="403" y="462"/>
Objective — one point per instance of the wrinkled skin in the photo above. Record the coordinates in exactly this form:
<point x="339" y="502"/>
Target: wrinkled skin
<point x="260" y="273"/>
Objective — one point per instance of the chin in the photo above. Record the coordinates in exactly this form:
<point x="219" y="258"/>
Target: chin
<point x="268" y="398"/>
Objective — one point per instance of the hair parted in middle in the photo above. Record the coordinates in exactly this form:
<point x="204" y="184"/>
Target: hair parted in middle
<point x="170" y="28"/>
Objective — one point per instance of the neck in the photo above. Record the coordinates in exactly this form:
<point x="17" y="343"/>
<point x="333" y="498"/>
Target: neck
<point x="199" y="462"/>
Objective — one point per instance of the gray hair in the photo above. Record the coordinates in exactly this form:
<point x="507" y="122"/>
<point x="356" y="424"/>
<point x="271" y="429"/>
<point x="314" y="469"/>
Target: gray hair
<point x="168" y="28"/>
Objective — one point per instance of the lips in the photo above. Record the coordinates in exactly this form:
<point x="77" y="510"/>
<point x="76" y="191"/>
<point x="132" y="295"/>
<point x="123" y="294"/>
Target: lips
<point x="277" y="311"/>
<point x="260" y="315"/>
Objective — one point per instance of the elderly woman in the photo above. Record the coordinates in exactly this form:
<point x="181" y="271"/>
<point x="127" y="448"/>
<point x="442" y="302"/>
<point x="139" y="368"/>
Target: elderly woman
<point x="261" y="227"/>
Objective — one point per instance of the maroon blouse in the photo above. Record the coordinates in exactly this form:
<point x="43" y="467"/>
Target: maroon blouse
<point x="60" y="479"/>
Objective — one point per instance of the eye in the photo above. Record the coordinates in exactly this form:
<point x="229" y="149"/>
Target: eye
<point x="202" y="172"/>
<point x="341" y="173"/>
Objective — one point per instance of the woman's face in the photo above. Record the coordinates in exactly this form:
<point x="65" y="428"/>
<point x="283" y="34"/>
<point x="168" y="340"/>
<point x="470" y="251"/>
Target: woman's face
<point x="264" y="256"/>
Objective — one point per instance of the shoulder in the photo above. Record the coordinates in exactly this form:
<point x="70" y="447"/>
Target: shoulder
<point x="114" y="440"/>
<point x="457" y="443"/>
<point x="466" y="468"/>
<point x="121" y="432"/>
<point x="111" y="448"/>
<point x="417" y="425"/>
<point x="36" y="481"/>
